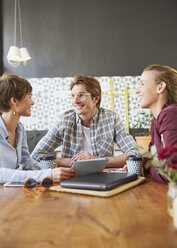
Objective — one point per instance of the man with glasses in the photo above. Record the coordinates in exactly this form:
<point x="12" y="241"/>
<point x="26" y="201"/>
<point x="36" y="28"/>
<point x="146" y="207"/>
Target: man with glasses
<point x="88" y="131"/>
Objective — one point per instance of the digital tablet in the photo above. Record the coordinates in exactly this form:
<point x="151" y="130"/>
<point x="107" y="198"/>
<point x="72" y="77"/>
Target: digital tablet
<point x="85" y="167"/>
<point x="14" y="184"/>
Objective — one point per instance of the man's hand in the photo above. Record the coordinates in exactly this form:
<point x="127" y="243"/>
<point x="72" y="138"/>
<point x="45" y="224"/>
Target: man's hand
<point x="83" y="156"/>
<point x="59" y="174"/>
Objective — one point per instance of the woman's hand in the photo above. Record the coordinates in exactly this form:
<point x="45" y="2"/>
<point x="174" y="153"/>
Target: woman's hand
<point x="62" y="173"/>
<point x="83" y="156"/>
<point x="125" y="169"/>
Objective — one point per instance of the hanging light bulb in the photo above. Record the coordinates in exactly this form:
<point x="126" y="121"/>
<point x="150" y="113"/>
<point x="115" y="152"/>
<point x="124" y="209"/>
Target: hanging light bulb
<point x="16" y="55"/>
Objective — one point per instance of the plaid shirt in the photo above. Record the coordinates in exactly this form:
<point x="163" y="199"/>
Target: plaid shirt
<point x="106" y="129"/>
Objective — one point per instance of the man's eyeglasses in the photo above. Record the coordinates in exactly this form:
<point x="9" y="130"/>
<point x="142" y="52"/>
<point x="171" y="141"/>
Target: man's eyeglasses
<point x="31" y="183"/>
<point x="80" y="96"/>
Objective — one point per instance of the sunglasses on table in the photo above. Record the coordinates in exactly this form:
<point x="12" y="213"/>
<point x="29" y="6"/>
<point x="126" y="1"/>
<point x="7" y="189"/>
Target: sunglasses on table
<point x="31" y="183"/>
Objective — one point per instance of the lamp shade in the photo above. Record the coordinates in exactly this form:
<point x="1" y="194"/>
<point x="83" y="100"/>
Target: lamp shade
<point x="24" y="54"/>
<point x="14" y="54"/>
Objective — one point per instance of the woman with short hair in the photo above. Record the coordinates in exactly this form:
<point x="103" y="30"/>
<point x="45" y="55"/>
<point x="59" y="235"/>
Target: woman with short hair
<point x="16" y="101"/>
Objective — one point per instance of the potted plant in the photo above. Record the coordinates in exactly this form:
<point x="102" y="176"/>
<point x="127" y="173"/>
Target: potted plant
<point x="141" y="130"/>
<point x="165" y="163"/>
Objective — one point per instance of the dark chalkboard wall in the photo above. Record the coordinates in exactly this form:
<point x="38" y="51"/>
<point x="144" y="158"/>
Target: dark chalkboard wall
<point x="94" y="37"/>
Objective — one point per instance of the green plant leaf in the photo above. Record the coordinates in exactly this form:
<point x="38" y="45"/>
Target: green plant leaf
<point x="164" y="174"/>
<point x="173" y="174"/>
<point x="148" y="155"/>
<point x="153" y="150"/>
<point x="148" y="164"/>
<point x="156" y="162"/>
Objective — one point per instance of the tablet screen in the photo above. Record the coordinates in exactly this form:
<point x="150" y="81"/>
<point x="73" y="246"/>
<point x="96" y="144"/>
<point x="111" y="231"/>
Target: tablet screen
<point x="84" y="167"/>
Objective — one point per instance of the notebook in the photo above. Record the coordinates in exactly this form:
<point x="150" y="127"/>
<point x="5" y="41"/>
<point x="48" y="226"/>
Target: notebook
<point x="99" y="181"/>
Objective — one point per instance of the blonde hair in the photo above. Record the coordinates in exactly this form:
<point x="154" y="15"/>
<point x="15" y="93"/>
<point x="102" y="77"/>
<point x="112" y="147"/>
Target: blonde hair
<point x="169" y="76"/>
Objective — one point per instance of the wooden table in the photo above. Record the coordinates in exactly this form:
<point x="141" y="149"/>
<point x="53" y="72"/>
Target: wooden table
<point x="134" y="218"/>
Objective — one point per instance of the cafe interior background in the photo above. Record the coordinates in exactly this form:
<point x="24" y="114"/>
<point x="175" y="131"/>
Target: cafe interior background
<point x="111" y="40"/>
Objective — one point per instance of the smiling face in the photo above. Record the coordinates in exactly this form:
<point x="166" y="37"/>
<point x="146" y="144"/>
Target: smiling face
<point x="84" y="106"/>
<point x="23" y="107"/>
<point x="148" y="90"/>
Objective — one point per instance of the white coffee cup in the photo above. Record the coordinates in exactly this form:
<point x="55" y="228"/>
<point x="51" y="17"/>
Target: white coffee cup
<point x="134" y="164"/>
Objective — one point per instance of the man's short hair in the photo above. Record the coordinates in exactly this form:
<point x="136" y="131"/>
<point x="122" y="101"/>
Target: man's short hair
<point x="91" y="84"/>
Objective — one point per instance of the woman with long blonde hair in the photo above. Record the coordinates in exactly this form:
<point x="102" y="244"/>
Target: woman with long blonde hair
<point x="157" y="91"/>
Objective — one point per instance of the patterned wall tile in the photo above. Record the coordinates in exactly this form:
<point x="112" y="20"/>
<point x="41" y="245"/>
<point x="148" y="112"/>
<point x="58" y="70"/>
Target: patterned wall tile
<point x="51" y="97"/>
